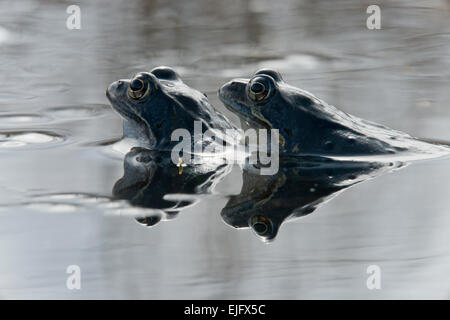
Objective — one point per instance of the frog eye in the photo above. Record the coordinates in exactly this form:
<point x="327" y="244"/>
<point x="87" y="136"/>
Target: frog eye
<point x="138" y="88"/>
<point x="260" y="88"/>
<point x="261" y="225"/>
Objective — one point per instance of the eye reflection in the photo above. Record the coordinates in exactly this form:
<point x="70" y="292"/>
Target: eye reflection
<point x="261" y="225"/>
<point x="149" y="221"/>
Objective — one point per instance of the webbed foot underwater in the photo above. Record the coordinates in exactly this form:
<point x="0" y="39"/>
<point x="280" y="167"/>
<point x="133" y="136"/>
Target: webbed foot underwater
<point x="310" y="126"/>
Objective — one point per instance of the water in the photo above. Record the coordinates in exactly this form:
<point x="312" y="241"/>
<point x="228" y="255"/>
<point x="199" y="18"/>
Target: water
<point x="59" y="164"/>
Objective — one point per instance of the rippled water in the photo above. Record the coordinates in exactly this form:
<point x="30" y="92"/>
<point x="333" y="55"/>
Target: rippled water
<point x="60" y="160"/>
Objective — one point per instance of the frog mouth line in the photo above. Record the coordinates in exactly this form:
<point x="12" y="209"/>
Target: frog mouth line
<point x="255" y="200"/>
<point x="123" y="109"/>
<point x="239" y="109"/>
<point x="127" y="115"/>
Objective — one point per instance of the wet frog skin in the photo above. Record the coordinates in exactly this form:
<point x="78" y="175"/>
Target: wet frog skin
<point x="154" y="104"/>
<point x="308" y="125"/>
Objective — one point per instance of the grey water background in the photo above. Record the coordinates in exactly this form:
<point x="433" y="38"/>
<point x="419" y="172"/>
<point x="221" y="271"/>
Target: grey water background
<point x="53" y="113"/>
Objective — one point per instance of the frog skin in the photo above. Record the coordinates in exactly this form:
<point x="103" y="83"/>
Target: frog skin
<point x="153" y="104"/>
<point x="149" y="175"/>
<point x="299" y="187"/>
<point x="308" y="125"/>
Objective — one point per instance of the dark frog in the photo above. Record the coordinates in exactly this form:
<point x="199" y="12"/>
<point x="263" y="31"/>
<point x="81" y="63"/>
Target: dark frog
<point x="153" y="104"/>
<point x="301" y="186"/>
<point x="150" y="182"/>
<point x="308" y="125"/>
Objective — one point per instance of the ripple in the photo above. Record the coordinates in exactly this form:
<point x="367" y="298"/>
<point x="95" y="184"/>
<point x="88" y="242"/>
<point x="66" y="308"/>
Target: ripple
<point x="4" y="35"/>
<point x="52" y="207"/>
<point x="15" y="119"/>
<point x="19" y="139"/>
<point x="300" y="61"/>
<point x="83" y="201"/>
<point x="78" y="112"/>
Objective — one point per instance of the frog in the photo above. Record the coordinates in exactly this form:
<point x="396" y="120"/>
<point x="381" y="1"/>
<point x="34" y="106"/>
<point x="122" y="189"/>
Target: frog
<point x="154" y="104"/>
<point x="299" y="188"/>
<point x="151" y="183"/>
<point x="308" y="125"/>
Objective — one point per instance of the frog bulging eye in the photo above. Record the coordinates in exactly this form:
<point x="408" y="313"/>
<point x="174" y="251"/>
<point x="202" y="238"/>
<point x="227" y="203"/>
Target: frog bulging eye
<point x="138" y="88"/>
<point x="136" y="84"/>
<point x="260" y="88"/>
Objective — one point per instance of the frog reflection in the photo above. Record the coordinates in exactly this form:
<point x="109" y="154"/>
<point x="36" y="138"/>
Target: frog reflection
<point x="149" y="176"/>
<point x="153" y="182"/>
<point x="298" y="189"/>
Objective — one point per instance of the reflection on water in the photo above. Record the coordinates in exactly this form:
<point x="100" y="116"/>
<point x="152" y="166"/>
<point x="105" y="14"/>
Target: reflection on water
<point x="60" y="161"/>
<point x="150" y="176"/>
<point x="151" y="181"/>
<point x="298" y="188"/>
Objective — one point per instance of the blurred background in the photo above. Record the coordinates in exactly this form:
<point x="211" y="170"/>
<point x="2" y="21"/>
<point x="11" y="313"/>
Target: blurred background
<point x="54" y="116"/>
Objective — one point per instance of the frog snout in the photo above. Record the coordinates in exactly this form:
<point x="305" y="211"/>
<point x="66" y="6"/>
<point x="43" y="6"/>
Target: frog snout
<point x="116" y="88"/>
<point x="234" y="88"/>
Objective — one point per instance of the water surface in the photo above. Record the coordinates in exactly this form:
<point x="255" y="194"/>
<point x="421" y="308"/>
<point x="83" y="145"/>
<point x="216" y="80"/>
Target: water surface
<point x="59" y="167"/>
